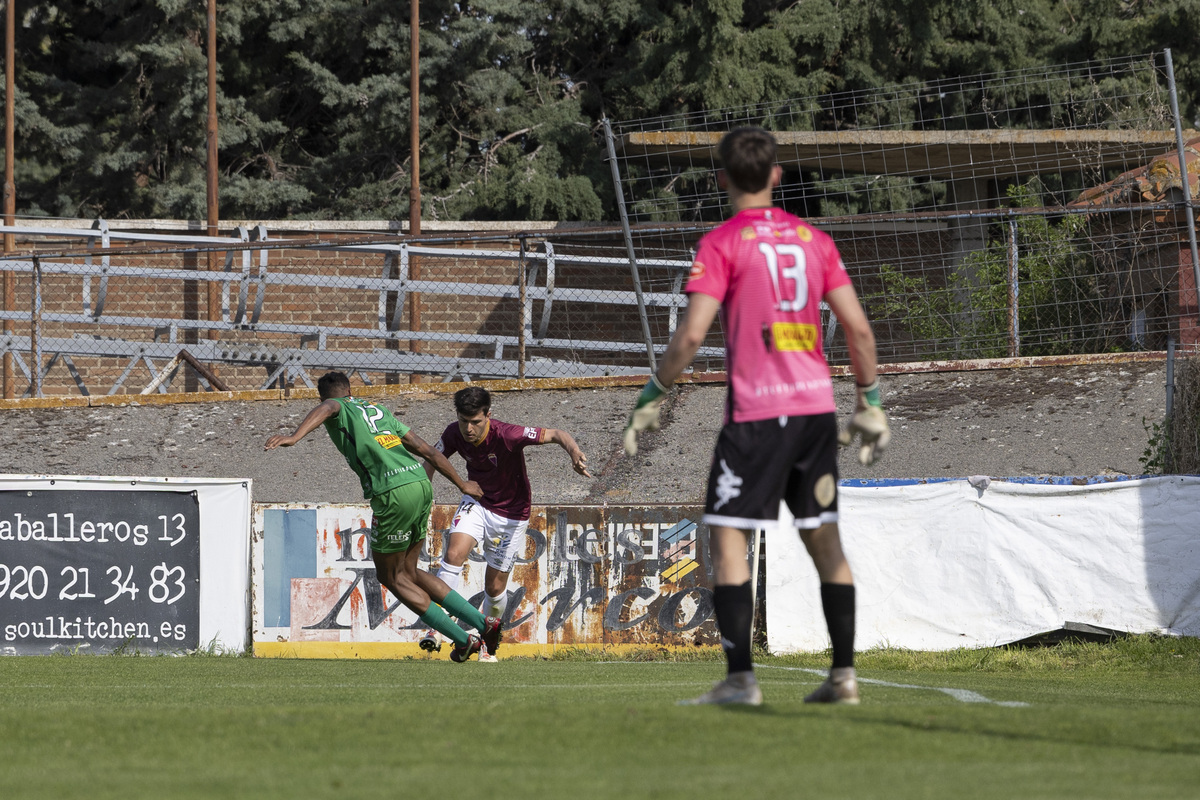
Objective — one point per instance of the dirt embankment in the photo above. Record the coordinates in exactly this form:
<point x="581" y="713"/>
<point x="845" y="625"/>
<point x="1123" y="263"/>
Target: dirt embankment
<point x="1077" y="420"/>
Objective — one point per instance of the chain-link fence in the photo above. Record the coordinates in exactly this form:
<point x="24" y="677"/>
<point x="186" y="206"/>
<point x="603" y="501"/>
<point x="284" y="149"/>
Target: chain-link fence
<point x="1036" y="212"/>
<point x="107" y="312"/>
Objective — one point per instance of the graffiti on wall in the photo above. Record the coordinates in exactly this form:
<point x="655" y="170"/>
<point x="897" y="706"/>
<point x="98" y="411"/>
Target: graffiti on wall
<point x="587" y="575"/>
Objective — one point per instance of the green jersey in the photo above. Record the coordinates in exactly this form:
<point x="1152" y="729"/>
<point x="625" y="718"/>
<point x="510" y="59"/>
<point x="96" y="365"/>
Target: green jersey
<point x="369" y="437"/>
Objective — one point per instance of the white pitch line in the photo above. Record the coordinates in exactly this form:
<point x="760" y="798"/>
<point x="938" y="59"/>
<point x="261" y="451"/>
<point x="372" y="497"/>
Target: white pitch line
<point x="961" y="695"/>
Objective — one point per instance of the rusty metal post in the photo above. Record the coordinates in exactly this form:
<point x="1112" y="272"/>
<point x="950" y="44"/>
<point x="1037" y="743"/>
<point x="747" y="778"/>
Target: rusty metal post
<point x="10" y="188"/>
<point x="35" y="332"/>
<point x="1014" y="292"/>
<point x="1188" y="207"/>
<point x="522" y="319"/>
<point x="414" y="188"/>
<point x="633" y="266"/>
<point x="1169" y="419"/>
<point x="214" y="263"/>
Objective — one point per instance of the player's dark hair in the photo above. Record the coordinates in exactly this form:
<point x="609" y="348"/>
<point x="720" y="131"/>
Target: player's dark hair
<point x="747" y="155"/>
<point x="330" y="381"/>
<point x="471" y="400"/>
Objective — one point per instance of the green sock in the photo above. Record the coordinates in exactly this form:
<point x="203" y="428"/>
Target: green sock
<point x="457" y="605"/>
<point x="437" y="618"/>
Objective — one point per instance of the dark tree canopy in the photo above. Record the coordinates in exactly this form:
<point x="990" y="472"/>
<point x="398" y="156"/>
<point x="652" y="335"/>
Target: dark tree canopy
<point x="314" y="94"/>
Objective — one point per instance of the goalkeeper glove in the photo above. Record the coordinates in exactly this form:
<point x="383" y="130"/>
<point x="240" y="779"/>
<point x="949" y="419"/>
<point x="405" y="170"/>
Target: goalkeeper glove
<point x="644" y="416"/>
<point x="869" y="422"/>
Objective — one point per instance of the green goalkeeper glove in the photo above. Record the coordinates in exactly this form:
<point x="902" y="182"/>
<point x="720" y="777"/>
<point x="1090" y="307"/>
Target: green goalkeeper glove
<point x="644" y="416"/>
<point x="869" y="422"/>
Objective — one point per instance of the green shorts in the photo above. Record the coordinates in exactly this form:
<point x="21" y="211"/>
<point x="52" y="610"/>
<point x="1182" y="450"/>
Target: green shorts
<point x="400" y="517"/>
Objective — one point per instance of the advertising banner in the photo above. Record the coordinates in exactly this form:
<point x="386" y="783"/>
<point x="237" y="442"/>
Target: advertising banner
<point x="588" y="575"/>
<point x="140" y="565"/>
<point x="99" y="570"/>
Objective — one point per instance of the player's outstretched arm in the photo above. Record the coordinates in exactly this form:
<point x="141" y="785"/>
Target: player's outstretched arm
<point x="567" y="442"/>
<point x="312" y="420"/>
<point x="868" y="422"/>
<point x="701" y="311"/>
<point x="415" y="444"/>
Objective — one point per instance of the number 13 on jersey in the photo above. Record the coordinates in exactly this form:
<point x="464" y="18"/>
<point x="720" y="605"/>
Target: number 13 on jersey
<point x="790" y="280"/>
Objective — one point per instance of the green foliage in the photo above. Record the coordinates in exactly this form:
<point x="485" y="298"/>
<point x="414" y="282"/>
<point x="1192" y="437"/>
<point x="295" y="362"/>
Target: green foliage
<point x="1184" y="440"/>
<point x="1143" y="653"/>
<point x="314" y="112"/>
<point x="929" y="314"/>
<point x="1059" y="287"/>
<point x="1058" y="299"/>
<point x="1156" y="458"/>
<point x="314" y="100"/>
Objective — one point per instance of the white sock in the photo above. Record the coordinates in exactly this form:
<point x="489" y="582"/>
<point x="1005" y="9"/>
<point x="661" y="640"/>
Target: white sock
<point x="495" y="606"/>
<point x="450" y="575"/>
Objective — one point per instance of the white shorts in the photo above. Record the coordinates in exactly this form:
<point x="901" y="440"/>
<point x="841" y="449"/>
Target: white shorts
<point x="502" y="538"/>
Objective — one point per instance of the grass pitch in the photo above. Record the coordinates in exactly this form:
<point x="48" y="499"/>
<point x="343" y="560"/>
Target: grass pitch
<point x="1094" y="721"/>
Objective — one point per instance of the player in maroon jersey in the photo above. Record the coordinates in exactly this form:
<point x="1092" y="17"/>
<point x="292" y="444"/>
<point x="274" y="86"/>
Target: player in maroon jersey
<point x="494" y="452"/>
<point x="766" y="272"/>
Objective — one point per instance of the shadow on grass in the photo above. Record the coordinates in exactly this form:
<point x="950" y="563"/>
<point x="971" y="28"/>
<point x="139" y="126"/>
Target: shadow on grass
<point x="972" y="727"/>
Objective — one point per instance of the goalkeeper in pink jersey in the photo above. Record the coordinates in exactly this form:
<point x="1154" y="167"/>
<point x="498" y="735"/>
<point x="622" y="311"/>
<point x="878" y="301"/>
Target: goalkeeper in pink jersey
<point x="766" y="272"/>
<point x="495" y="456"/>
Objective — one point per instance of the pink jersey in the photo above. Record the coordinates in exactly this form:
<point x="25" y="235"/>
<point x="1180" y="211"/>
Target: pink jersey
<point x="770" y="270"/>
<point x="497" y="464"/>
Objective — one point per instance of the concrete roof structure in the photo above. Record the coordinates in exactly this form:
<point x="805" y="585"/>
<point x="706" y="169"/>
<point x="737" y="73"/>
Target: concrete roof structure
<point x="958" y="154"/>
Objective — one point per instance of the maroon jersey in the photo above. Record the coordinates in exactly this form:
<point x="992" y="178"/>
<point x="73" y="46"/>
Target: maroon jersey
<point x="497" y="464"/>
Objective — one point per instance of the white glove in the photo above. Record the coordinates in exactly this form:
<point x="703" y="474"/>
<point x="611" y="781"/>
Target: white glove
<point x="869" y="422"/>
<point x="644" y="416"/>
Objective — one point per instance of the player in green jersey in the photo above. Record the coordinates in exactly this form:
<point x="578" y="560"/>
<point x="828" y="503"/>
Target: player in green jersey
<point x="380" y="449"/>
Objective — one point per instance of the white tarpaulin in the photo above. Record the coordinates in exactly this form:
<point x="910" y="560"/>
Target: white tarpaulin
<point x="940" y="565"/>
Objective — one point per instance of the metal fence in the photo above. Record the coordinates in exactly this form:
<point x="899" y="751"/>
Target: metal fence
<point x="1039" y="212"/>
<point x="1035" y="212"/>
<point x="131" y="311"/>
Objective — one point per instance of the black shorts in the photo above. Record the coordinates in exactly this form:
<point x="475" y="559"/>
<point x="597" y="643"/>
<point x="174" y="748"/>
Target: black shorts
<point x="757" y="464"/>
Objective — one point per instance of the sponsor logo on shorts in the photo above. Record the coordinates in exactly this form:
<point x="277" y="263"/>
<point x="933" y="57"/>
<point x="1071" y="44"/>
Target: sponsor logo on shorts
<point x="727" y="486"/>
<point x="387" y="440"/>
<point x="826" y="490"/>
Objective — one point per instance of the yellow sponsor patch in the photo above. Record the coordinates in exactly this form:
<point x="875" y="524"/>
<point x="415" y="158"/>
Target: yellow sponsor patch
<point x="793" y="336"/>
<point x="387" y="440"/>
<point x="748" y="234"/>
<point x="804" y="233"/>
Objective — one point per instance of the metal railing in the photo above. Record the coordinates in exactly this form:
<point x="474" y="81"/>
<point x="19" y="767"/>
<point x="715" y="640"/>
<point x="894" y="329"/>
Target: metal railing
<point x="260" y="274"/>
